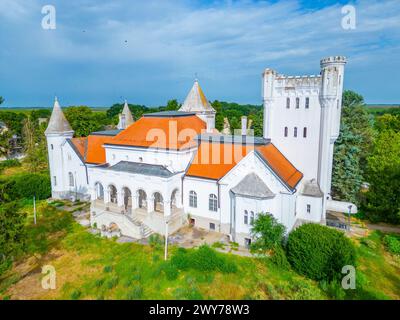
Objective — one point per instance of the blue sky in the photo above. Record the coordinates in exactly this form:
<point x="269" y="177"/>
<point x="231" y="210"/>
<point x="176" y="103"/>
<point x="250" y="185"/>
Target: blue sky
<point x="102" y="52"/>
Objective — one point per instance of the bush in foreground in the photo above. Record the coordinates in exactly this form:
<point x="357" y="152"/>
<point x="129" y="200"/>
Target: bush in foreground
<point x="266" y="232"/>
<point x="203" y="259"/>
<point x="392" y="243"/>
<point x="319" y="252"/>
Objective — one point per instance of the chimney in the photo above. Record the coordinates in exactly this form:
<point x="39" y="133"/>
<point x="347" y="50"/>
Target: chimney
<point x="244" y="125"/>
<point x="210" y="124"/>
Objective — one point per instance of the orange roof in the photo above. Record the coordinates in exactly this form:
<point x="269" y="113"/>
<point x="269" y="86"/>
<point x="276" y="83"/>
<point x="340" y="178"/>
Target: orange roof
<point x="280" y="164"/>
<point x="165" y="132"/>
<point x="91" y="148"/>
<point x="215" y="160"/>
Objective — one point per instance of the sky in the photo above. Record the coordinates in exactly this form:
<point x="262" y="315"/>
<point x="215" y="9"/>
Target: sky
<point x="102" y="52"/>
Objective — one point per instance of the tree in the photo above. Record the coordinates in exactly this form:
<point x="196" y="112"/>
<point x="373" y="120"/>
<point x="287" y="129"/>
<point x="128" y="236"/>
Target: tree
<point x="84" y="120"/>
<point x="1" y="100"/>
<point x="12" y="234"/>
<point x="5" y="147"/>
<point x="382" y="201"/>
<point x="267" y="232"/>
<point x="172" y="105"/>
<point x="35" y="145"/>
<point x="352" y="148"/>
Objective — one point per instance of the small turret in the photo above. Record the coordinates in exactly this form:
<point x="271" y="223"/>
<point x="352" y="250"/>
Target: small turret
<point x="58" y="124"/>
<point x="57" y="133"/>
<point x="125" y="118"/>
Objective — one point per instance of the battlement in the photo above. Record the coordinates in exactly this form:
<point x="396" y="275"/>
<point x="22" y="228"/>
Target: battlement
<point x="333" y="59"/>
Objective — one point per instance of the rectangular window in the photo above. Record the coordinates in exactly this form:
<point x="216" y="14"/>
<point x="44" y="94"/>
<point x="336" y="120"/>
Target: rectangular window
<point x="55" y="180"/>
<point x="307" y="103"/>
<point x="297" y="103"/>
<point x="308" y="208"/>
<point x="288" y="103"/>
<point x="305" y="132"/>
<point x="212" y="226"/>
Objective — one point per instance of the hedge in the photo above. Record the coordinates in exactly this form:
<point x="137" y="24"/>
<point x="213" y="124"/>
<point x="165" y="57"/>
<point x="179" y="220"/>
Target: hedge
<point x="319" y="252"/>
<point x="25" y="185"/>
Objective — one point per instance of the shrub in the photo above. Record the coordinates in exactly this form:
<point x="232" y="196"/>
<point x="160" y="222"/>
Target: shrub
<point x="9" y="163"/>
<point x="156" y="240"/>
<point x="203" y="259"/>
<point x="392" y="243"/>
<point x="267" y="232"/>
<point x="135" y="293"/>
<point x="25" y="185"/>
<point x="319" y="252"/>
<point x="279" y="259"/>
<point x="75" y="295"/>
<point x="171" y="271"/>
<point x="107" y="269"/>
<point x="111" y="283"/>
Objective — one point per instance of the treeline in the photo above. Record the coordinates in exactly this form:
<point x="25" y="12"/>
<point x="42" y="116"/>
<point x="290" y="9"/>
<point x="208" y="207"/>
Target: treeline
<point x="366" y="167"/>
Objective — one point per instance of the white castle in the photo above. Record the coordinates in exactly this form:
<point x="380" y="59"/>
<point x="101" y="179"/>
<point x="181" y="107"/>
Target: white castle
<point x="169" y="169"/>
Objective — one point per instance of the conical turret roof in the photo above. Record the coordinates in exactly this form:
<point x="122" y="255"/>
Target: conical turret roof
<point x="58" y="123"/>
<point x="196" y="101"/>
<point x="127" y="115"/>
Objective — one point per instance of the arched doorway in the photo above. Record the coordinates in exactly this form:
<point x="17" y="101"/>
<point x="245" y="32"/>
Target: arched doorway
<point x="174" y="199"/>
<point x="99" y="191"/>
<point x="142" y="199"/>
<point x="127" y="199"/>
<point x="113" y="193"/>
<point x="158" y="202"/>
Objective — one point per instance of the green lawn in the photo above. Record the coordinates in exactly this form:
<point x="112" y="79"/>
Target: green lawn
<point x="90" y="267"/>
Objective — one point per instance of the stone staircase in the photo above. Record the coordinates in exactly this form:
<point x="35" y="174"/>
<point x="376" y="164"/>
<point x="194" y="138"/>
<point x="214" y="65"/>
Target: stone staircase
<point x="144" y="229"/>
<point x="126" y="222"/>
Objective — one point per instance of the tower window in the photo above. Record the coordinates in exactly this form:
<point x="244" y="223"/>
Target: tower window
<point x="305" y="132"/>
<point x="52" y="147"/>
<point x="308" y="208"/>
<point x="55" y="180"/>
<point x="295" y="132"/>
<point x="71" y="179"/>
<point x="251" y="217"/>
<point x="307" y="103"/>
<point x="246" y="217"/>
<point x="286" y="131"/>
<point x="297" y="103"/>
<point x="287" y="103"/>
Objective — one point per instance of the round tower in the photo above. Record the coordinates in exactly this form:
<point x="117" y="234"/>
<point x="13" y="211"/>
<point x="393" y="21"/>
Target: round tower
<point x="268" y="78"/>
<point x="57" y="132"/>
<point x="332" y="73"/>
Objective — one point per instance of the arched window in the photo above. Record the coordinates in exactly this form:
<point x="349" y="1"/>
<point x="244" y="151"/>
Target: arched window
<point x="51" y="146"/>
<point x="251" y="217"/>
<point x="246" y="217"/>
<point x="142" y="199"/>
<point x="307" y="102"/>
<point x="99" y="191"/>
<point x="158" y="202"/>
<point x="286" y="131"/>
<point x="113" y="193"/>
<point x="192" y="199"/>
<point x="297" y="103"/>
<point x="287" y="103"/>
<point x="212" y="202"/>
<point x="305" y="132"/>
<point x="71" y="179"/>
<point x="295" y="132"/>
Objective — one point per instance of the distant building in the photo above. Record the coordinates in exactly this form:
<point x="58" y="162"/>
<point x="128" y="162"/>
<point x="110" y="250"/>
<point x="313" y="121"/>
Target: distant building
<point x="175" y="168"/>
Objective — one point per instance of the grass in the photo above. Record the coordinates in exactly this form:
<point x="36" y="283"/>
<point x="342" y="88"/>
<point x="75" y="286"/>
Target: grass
<point x="91" y="267"/>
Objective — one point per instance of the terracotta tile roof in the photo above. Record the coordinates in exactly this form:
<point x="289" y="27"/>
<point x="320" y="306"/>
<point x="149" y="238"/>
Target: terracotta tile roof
<point x="90" y="148"/>
<point x="207" y="164"/>
<point x="163" y="131"/>
<point x="280" y="164"/>
<point x="214" y="160"/>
